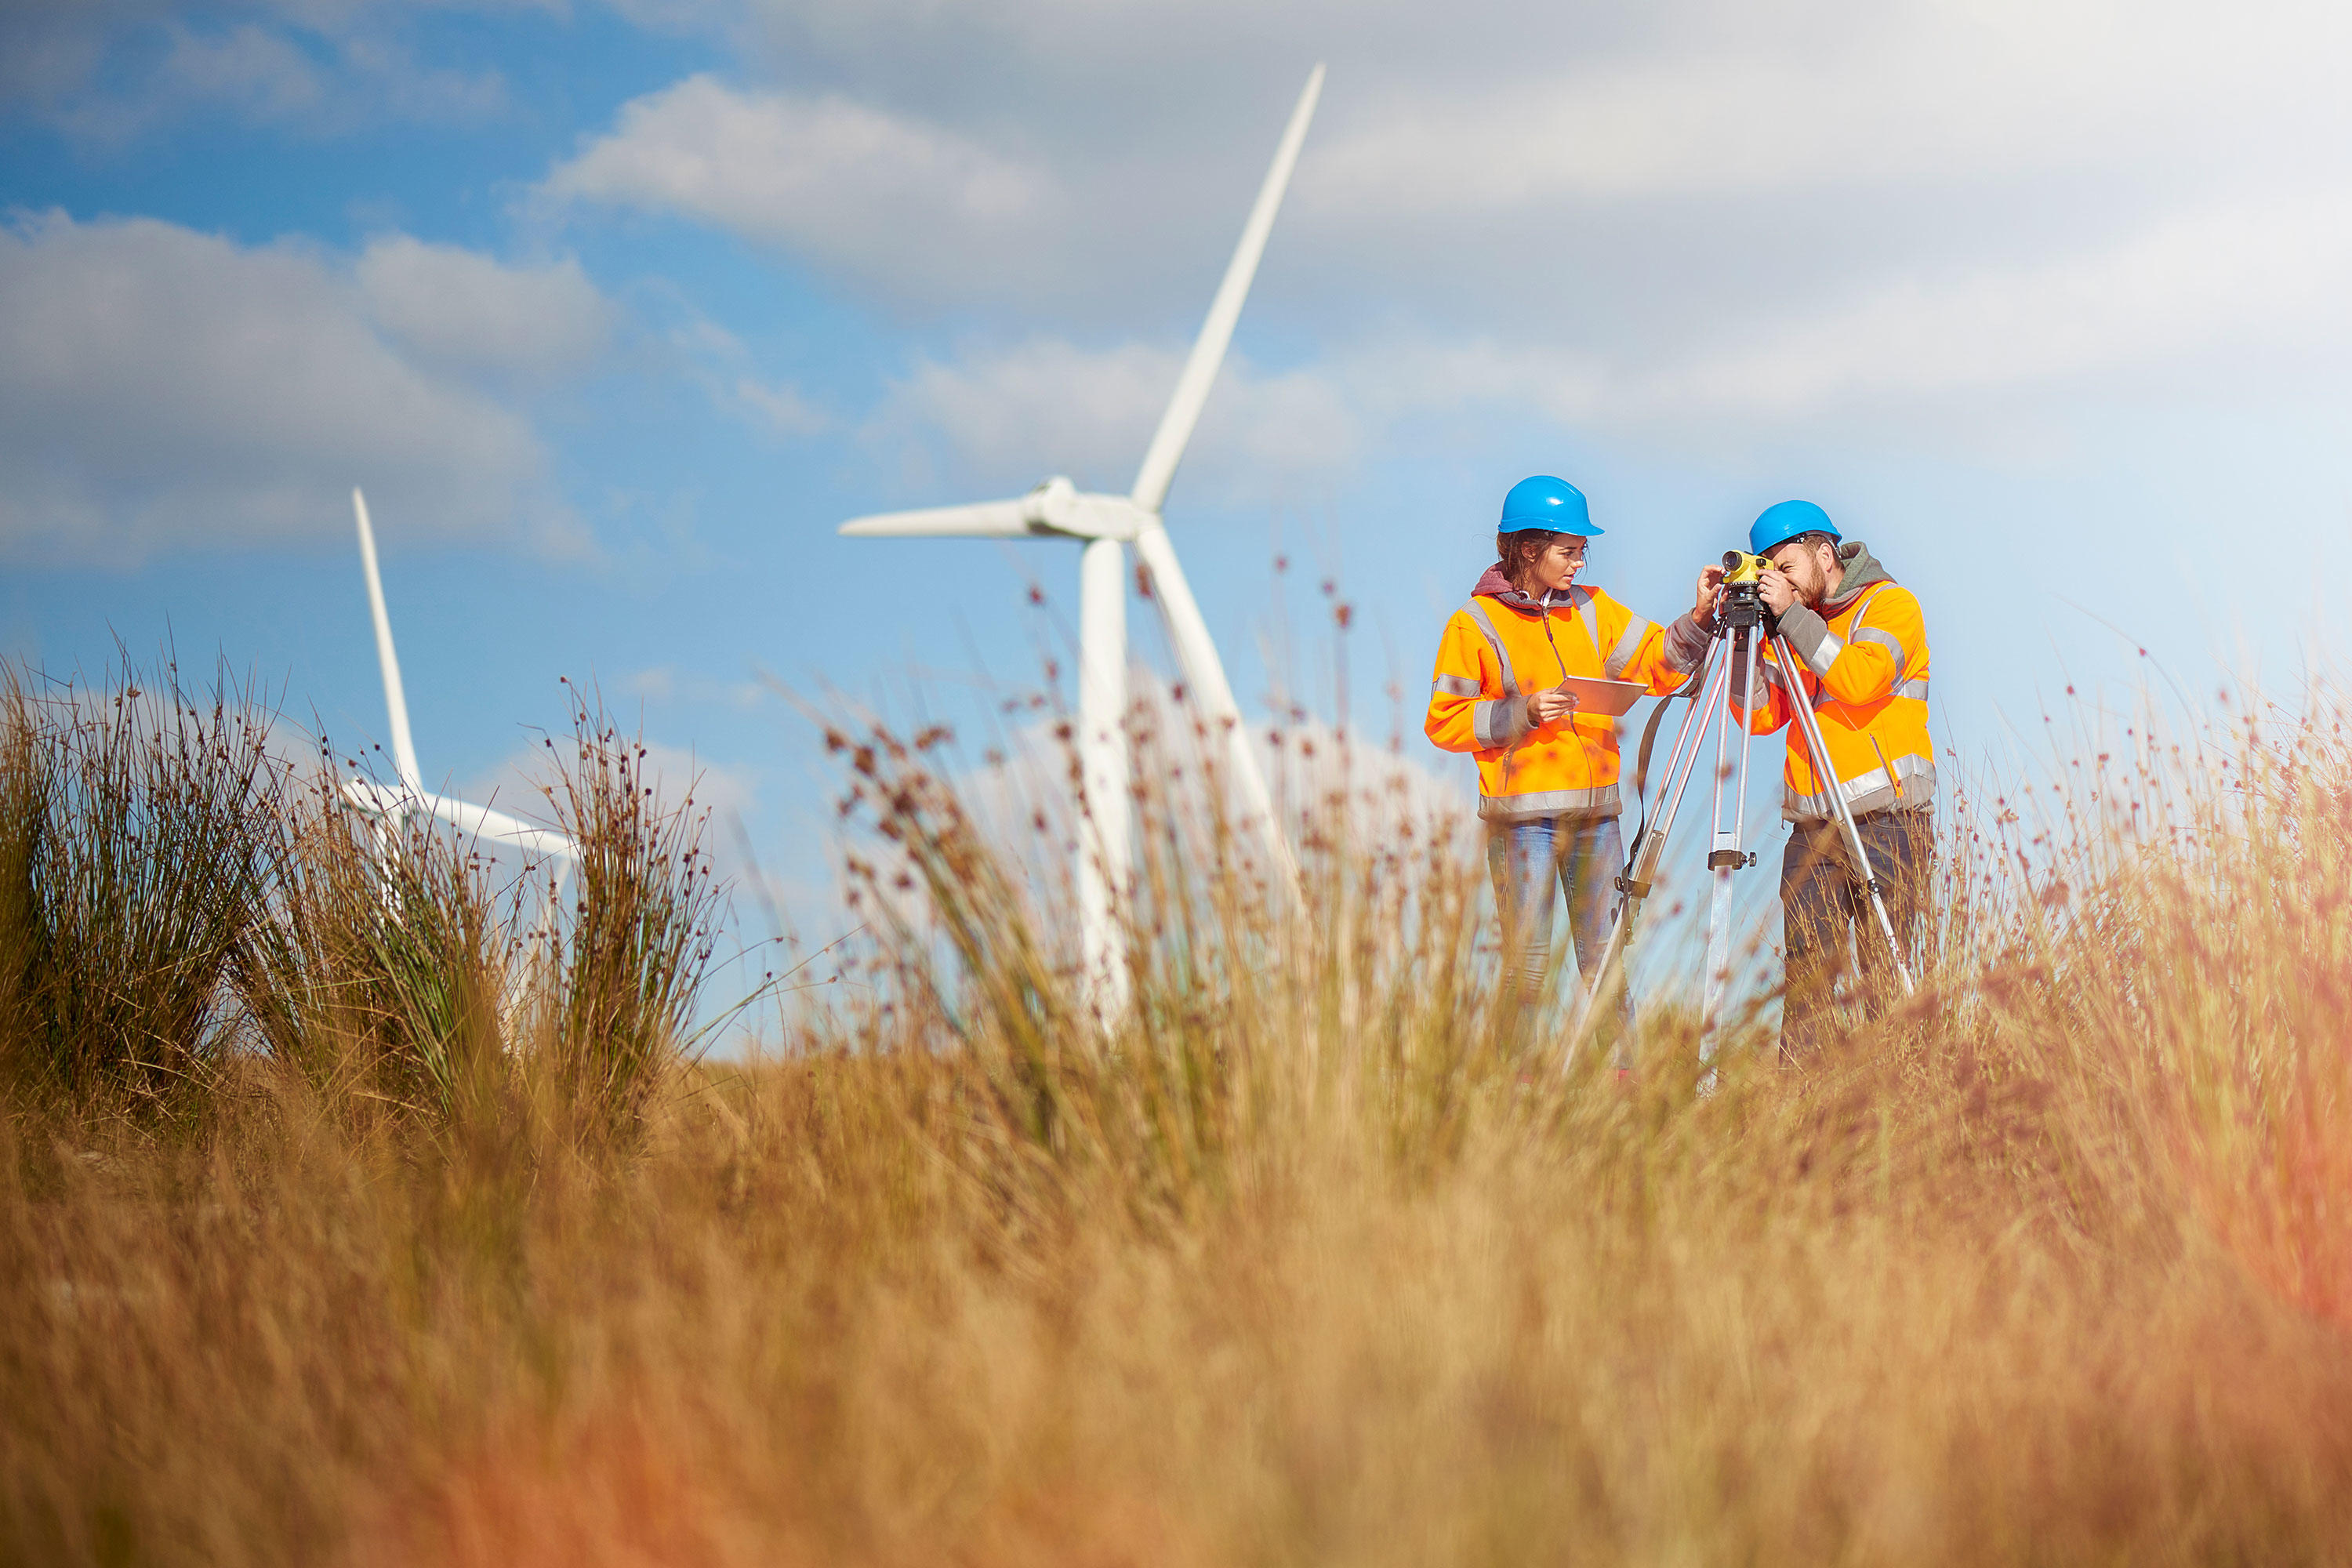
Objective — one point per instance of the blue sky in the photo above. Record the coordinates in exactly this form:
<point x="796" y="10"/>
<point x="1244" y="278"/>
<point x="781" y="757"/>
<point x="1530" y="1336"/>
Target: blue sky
<point x="617" y="307"/>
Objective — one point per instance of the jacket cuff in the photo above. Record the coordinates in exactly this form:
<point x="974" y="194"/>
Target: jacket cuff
<point x="1686" y="641"/>
<point x="1810" y="635"/>
<point x="1499" y="721"/>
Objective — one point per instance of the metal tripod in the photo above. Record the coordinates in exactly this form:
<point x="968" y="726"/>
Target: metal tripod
<point x="1731" y="666"/>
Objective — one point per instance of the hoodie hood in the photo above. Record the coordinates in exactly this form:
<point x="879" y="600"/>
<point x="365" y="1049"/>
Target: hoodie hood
<point x="1861" y="570"/>
<point x="1493" y="584"/>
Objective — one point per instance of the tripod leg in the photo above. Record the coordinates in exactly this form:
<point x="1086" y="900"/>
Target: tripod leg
<point x="1728" y="856"/>
<point x="1718" y="979"/>
<point x="1608" y="978"/>
<point x="1818" y="751"/>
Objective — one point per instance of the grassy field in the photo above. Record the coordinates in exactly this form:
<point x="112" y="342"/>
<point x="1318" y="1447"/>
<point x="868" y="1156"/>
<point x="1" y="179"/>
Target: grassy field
<point x="363" y="1216"/>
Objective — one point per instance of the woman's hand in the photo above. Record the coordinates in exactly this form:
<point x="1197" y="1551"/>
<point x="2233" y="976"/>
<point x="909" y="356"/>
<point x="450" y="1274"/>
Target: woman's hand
<point x="1552" y="702"/>
<point x="1710" y="588"/>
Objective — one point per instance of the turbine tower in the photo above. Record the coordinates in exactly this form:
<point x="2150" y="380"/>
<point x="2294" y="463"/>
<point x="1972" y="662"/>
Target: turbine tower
<point x="390" y="806"/>
<point x="1107" y="524"/>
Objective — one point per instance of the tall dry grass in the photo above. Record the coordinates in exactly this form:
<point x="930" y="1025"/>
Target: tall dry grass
<point x="188" y="907"/>
<point x="1300" y="1261"/>
<point x="643" y="931"/>
<point x="376" y="977"/>
<point x="128" y="876"/>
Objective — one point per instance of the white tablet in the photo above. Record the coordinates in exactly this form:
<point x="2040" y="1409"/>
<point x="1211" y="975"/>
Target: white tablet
<point x="1610" y="697"/>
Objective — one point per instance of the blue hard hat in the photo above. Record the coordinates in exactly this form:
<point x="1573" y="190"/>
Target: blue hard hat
<point x="1776" y="525"/>
<point x="1555" y="506"/>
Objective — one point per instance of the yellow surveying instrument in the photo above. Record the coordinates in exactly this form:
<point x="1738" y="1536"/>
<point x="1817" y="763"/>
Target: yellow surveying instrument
<point x="1739" y="566"/>
<point x="1729" y="675"/>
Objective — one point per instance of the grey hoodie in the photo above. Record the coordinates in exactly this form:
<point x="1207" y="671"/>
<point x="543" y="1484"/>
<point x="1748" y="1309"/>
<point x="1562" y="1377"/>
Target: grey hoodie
<point x="1804" y="627"/>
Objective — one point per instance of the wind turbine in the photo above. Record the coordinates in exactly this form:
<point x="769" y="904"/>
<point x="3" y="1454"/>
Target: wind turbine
<point x="1107" y="523"/>
<point x="388" y="807"/>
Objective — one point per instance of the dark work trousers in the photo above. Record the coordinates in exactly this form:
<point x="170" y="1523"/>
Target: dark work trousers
<point x="1826" y="917"/>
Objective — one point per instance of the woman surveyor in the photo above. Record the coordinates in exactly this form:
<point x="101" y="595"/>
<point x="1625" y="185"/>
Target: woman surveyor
<point x="1547" y="771"/>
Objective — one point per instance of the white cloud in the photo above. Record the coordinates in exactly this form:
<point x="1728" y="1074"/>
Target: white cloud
<point x="667" y="683"/>
<point x="2243" y="283"/>
<point x="2257" y="281"/>
<point x="1499" y="102"/>
<point x="840" y="181"/>
<point x="1047" y="406"/>
<point x="1416" y="373"/>
<point x="673" y="16"/>
<point x="1887" y="93"/>
<point x="779" y="406"/>
<point x="681" y="777"/>
<point x="161" y="389"/>
<point x="2243" y="288"/>
<point x="50" y="50"/>
<point x="1633" y="210"/>
<point x="387" y="80"/>
<point x="107" y="71"/>
<point x="265" y="74"/>
<point x="1660" y="216"/>
<point x="460" y="308"/>
<point x="717" y="361"/>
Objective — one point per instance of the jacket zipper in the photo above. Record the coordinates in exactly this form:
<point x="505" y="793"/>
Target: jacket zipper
<point x="1556" y="658"/>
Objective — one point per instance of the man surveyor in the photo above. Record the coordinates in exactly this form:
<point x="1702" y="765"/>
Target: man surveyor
<point x="1864" y="648"/>
<point x="1547" y="771"/>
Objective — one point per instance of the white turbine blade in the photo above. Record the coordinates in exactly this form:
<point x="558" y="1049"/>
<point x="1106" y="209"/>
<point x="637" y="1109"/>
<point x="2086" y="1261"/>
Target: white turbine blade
<point x="1209" y="349"/>
<point x="481" y="821"/>
<point x="403" y="750"/>
<point x="986" y="520"/>
<point x="1205" y="673"/>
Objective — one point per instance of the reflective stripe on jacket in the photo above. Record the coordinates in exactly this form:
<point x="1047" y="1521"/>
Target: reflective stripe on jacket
<point x="1495" y="654"/>
<point x="1865" y="677"/>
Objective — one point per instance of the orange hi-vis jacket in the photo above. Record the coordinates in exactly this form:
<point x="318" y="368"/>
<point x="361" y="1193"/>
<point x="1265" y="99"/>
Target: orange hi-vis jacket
<point x="1502" y="647"/>
<point x="1865" y="676"/>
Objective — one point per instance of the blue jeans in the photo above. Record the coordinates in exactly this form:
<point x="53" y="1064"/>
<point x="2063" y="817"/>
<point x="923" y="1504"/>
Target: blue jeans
<point x="1586" y="855"/>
